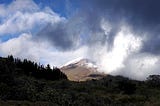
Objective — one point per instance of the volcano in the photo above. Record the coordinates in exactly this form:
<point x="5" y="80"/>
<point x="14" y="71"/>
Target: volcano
<point x="82" y="70"/>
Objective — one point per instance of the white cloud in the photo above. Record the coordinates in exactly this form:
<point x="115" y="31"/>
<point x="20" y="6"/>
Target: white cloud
<point x="21" y="22"/>
<point x="59" y="58"/>
<point x="23" y="16"/>
<point x="20" y="17"/>
<point x="125" y="58"/>
<point x="20" y="46"/>
<point x="125" y="44"/>
<point x="139" y="66"/>
<point x="17" y="5"/>
<point x="25" y="47"/>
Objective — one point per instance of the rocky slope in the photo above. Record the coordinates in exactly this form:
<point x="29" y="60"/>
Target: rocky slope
<point x="82" y="70"/>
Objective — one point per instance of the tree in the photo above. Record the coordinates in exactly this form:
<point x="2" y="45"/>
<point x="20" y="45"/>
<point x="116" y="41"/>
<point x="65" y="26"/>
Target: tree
<point x="153" y="80"/>
<point x="127" y="86"/>
<point x="10" y="58"/>
<point x="48" y="67"/>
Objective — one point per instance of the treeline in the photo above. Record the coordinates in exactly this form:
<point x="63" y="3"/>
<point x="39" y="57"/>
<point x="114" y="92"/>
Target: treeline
<point x="23" y="79"/>
<point x="13" y="66"/>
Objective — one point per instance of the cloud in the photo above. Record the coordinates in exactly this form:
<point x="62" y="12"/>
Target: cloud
<point x="139" y="66"/>
<point x="18" y="17"/>
<point x="104" y="21"/>
<point x="125" y="44"/>
<point x="19" y="46"/>
<point x="21" y="22"/>
<point x="122" y="36"/>
<point x="17" y="5"/>
<point x="25" y="46"/>
<point x="64" y="35"/>
<point x="142" y="16"/>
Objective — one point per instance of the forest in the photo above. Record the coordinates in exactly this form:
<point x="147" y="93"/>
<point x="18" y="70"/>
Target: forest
<point x="26" y="83"/>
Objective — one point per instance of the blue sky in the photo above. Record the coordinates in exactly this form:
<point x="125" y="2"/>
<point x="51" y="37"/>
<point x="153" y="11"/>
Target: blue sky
<point x="63" y="7"/>
<point x="121" y="36"/>
<point x="5" y="1"/>
<point x="58" y="6"/>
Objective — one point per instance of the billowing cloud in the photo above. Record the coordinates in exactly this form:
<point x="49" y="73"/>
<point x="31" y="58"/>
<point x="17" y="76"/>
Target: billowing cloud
<point x="118" y="52"/>
<point x="24" y="20"/>
<point x="121" y="36"/>
<point x="62" y="35"/>
<point x="139" y="66"/>
<point x="124" y="45"/>
<point x="19" y="17"/>
<point x="142" y="16"/>
<point x="25" y="46"/>
<point x="17" y="5"/>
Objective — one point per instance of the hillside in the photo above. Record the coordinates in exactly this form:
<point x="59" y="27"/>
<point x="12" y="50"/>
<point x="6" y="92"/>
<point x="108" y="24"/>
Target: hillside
<point x="20" y="87"/>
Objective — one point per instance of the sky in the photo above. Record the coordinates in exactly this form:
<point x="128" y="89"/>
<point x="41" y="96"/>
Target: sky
<point x="121" y="36"/>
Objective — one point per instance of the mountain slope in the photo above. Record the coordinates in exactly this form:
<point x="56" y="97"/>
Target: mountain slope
<point x="82" y="70"/>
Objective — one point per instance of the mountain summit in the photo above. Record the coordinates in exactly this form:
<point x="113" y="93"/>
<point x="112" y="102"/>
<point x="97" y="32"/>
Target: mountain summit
<point x="82" y="70"/>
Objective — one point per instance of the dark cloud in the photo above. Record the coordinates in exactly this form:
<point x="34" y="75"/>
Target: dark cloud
<point x="143" y="10"/>
<point x="64" y="35"/>
<point x="152" y="44"/>
<point x="84" y="27"/>
<point x="141" y="15"/>
<point x="58" y="35"/>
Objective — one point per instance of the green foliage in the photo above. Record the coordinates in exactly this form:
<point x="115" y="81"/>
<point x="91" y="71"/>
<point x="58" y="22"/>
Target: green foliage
<point x="153" y="81"/>
<point x="28" y="84"/>
<point x="127" y="87"/>
<point x="16" y="66"/>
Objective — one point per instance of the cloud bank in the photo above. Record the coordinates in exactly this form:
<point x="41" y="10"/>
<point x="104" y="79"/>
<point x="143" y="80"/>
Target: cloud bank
<point x="22" y="21"/>
<point x="121" y="36"/>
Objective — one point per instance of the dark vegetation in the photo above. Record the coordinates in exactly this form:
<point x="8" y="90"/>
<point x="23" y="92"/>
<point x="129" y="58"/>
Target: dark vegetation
<point x="25" y="83"/>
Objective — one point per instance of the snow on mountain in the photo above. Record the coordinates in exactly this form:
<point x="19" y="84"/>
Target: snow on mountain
<point x="81" y="62"/>
<point x="81" y="70"/>
<point x="72" y="61"/>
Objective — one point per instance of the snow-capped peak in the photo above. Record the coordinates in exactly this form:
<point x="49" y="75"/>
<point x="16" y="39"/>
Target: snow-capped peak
<point x="82" y="69"/>
<point x="87" y="63"/>
<point x="73" y="61"/>
<point x="81" y="62"/>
